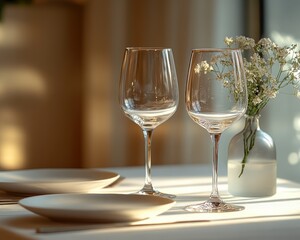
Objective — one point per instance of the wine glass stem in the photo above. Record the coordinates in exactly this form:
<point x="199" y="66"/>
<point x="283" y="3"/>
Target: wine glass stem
<point x="215" y="140"/>
<point x="148" y="137"/>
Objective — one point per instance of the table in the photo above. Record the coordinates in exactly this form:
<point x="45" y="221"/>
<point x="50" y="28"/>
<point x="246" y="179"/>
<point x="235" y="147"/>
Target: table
<point x="276" y="217"/>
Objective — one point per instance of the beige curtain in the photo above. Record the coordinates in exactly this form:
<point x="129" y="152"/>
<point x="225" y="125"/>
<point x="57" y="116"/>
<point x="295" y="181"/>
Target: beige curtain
<point x="63" y="60"/>
<point x="110" y="138"/>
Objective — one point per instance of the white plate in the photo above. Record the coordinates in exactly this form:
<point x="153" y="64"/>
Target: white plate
<point x="45" y="181"/>
<point x="97" y="207"/>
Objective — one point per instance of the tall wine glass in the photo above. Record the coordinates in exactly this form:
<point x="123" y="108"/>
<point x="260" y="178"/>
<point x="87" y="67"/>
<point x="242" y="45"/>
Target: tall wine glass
<point x="215" y="98"/>
<point x="148" y="95"/>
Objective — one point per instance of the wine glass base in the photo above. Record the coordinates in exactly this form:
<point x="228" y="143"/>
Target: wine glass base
<point x="213" y="207"/>
<point x="156" y="193"/>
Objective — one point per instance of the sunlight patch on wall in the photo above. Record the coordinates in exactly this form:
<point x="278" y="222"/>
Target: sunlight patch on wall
<point x="296" y="124"/>
<point x="19" y="87"/>
<point x="12" y="141"/>
<point x="21" y="81"/>
<point x="284" y="39"/>
<point x="13" y="32"/>
<point x="294" y="157"/>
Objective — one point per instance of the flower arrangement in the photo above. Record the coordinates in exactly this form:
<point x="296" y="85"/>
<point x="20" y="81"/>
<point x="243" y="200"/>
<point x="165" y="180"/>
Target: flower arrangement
<point x="268" y="68"/>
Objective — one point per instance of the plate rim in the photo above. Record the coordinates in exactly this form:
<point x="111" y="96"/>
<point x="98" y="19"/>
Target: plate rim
<point x="42" y="206"/>
<point x="12" y="186"/>
<point x="54" y="169"/>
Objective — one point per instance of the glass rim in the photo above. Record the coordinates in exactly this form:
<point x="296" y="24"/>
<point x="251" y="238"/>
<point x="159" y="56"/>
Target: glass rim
<point x="216" y="49"/>
<point x="147" y="48"/>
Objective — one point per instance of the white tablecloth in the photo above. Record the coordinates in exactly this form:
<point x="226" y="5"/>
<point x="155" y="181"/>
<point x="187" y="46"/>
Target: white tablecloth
<point x="276" y="217"/>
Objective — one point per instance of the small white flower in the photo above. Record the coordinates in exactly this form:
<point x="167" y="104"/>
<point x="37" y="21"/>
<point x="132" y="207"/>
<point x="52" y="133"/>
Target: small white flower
<point x="256" y="100"/>
<point x="203" y="66"/>
<point x="250" y="79"/>
<point x="271" y="93"/>
<point x="228" y="41"/>
<point x="226" y="83"/>
<point x="197" y="68"/>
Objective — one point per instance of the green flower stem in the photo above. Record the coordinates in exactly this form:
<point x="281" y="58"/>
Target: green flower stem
<point x="249" y="141"/>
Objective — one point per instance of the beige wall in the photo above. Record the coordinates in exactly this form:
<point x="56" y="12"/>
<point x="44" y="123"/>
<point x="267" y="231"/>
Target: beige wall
<point x="40" y="86"/>
<point x="65" y="60"/>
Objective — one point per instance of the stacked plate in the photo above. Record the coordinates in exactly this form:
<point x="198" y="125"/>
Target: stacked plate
<point x="45" y="181"/>
<point x="69" y="195"/>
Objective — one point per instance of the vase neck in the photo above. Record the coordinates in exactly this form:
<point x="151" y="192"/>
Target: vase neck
<point x="252" y="122"/>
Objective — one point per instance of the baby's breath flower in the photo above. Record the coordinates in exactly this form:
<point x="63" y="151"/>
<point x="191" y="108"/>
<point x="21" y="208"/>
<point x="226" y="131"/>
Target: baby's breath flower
<point x="226" y="83"/>
<point x="268" y="68"/>
<point x="197" y="68"/>
<point x="256" y="100"/>
<point x="270" y="93"/>
<point x="228" y="41"/>
<point x="203" y="66"/>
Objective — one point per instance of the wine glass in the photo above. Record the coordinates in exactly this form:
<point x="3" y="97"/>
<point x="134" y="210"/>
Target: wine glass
<point x="215" y="98"/>
<point x="148" y="95"/>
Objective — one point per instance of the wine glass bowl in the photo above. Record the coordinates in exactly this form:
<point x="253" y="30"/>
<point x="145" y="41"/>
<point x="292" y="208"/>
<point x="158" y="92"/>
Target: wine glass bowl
<point x="148" y="95"/>
<point x="215" y="98"/>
